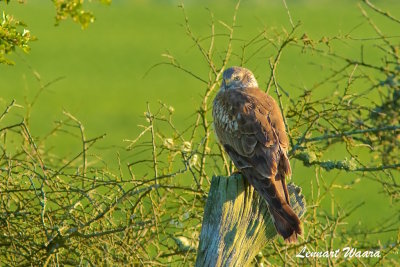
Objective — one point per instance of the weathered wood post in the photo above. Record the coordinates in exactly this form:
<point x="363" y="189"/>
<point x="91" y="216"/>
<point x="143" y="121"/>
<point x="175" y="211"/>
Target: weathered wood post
<point x="237" y="223"/>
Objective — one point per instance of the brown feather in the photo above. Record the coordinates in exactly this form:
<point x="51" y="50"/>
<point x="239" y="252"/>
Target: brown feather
<point x="249" y="125"/>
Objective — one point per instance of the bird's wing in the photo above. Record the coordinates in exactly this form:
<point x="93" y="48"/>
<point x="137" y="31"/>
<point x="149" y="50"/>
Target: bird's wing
<point x="249" y="125"/>
<point x="250" y="122"/>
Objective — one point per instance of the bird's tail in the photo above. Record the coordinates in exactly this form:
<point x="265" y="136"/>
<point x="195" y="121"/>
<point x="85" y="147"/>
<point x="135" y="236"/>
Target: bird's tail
<point x="287" y="223"/>
<point x="275" y="192"/>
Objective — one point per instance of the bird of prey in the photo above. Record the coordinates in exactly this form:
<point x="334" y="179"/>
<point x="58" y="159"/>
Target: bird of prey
<point x="250" y="127"/>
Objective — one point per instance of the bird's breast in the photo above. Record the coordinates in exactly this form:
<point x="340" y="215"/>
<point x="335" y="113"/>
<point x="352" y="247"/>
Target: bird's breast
<point x="225" y="118"/>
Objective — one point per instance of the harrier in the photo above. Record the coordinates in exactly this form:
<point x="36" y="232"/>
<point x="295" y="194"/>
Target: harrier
<point x="249" y="125"/>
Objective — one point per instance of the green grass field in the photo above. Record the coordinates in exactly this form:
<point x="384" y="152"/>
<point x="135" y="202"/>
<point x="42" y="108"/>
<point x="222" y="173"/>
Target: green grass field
<point x="104" y="66"/>
<point x="103" y="71"/>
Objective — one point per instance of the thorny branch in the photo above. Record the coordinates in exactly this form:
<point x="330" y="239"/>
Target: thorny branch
<point x="77" y="210"/>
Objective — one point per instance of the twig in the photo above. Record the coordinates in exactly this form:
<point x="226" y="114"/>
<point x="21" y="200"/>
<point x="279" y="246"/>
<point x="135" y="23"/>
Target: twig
<point x="7" y="109"/>
<point x="384" y="13"/>
<point x="349" y="133"/>
<point x="288" y="12"/>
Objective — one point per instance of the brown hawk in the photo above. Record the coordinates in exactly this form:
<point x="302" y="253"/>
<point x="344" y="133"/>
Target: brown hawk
<point x="249" y="125"/>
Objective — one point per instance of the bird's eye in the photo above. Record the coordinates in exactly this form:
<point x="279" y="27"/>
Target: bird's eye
<point x="236" y="78"/>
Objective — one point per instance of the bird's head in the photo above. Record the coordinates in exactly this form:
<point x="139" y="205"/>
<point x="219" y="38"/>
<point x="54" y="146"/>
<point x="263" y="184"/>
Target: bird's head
<point x="237" y="78"/>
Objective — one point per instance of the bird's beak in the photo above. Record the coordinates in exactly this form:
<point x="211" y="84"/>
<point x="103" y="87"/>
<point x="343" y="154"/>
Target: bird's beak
<point x="225" y="83"/>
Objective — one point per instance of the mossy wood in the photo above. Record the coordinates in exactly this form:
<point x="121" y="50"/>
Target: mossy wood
<point x="237" y="223"/>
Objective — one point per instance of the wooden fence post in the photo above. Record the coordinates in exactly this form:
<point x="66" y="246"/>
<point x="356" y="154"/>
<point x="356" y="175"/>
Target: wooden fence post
<point x="237" y="223"/>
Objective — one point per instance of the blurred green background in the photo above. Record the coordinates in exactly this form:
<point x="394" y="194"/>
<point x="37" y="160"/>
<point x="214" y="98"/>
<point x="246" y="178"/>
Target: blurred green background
<point x="104" y="68"/>
<point x="104" y="65"/>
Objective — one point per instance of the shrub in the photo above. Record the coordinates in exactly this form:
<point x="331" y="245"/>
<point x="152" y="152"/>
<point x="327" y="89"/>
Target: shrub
<point x="149" y="210"/>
